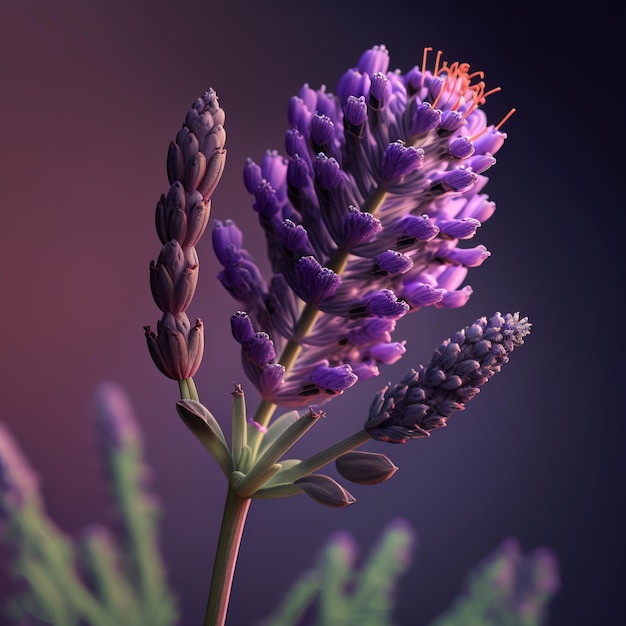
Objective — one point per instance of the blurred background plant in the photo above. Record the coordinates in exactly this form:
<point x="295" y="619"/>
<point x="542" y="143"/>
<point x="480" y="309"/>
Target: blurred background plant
<point x="507" y="588"/>
<point x="108" y="576"/>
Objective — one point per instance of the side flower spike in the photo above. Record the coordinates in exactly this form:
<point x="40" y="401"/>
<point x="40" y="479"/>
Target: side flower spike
<point x="195" y="161"/>
<point x="424" y="399"/>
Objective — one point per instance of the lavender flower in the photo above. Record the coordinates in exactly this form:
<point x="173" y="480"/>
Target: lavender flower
<point x="506" y="587"/>
<point x="364" y="219"/>
<point x="195" y="161"/>
<point x="424" y="399"/>
<point x="19" y="484"/>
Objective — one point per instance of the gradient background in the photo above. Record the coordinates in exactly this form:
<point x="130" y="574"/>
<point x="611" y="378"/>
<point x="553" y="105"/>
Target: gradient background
<point x="92" y="93"/>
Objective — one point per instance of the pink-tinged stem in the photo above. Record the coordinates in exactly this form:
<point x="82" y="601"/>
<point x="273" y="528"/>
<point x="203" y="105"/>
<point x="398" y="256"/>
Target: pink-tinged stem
<point x="233" y="522"/>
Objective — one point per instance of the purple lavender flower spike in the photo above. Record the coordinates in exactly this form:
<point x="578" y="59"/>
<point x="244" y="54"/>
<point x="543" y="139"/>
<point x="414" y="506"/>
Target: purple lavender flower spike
<point x="365" y="219"/>
<point x="425" y="399"/>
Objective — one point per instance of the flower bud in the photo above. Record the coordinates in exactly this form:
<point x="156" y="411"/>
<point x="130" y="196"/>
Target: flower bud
<point x="365" y="468"/>
<point x="325" y="490"/>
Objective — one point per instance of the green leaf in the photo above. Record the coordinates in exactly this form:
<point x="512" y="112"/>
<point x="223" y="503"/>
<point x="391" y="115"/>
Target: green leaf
<point x="206" y="428"/>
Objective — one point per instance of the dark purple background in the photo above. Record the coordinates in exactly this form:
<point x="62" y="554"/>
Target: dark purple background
<point x="92" y="93"/>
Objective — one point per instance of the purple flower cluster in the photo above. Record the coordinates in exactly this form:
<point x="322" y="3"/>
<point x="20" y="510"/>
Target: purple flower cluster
<point x="195" y="161"/>
<point x="363" y="219"/>
<point x="424" y="399"/>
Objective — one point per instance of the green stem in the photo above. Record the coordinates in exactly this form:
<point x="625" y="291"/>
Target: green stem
<point x="188" y="389"/>
<point x="321" y="459"/>
<point x="193" y="392"/>
<point x="233" y="522"/>
<point x="239" y="426"/>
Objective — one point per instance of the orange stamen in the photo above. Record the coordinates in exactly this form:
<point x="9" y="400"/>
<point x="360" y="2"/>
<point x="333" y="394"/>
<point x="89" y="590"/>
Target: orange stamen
<point x="505" y="118"/>
<point x="481" y="74"/>
<point x="495" y="128"/>
<point x="460" y="92"/>
<point x="426" y="51"/>
<point x="494" y="90"/>
<point x="436" y="70"/>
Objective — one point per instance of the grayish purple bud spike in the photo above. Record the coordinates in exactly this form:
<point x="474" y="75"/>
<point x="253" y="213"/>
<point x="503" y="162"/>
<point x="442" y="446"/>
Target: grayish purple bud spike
<point x="428" y="396"/>
<point x="195" y="161"/>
